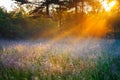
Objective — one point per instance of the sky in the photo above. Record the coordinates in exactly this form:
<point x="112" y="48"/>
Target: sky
<point x="8" y="4"/>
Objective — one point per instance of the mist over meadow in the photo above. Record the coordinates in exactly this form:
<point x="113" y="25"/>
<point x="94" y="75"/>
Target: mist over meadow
<point x="60" y="40"/>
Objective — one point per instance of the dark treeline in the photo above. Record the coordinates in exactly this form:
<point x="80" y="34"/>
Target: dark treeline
<point x="51" y="17"/>
<point x="17" y="25"/>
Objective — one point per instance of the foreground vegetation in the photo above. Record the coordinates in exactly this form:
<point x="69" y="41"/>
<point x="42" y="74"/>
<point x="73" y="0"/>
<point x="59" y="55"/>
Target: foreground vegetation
<point x="40" y="65"/>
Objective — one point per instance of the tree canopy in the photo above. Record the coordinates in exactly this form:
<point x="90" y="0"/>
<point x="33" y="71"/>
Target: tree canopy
<point x="78" y="5"/>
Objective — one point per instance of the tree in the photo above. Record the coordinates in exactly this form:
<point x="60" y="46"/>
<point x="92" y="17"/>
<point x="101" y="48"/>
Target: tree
<point x="77" y="3"/>
<point x="22" y="1"/>
<point x="44" y="4"/>
<point x="73" y="4"/>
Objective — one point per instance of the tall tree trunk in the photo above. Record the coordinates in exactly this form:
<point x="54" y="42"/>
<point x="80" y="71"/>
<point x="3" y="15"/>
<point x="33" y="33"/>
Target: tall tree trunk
<point x="47" y="10"/>
<point x="47" y="7"/>
<point x="60" y="16"/>
<point x="82" y="6"/>
<point x="76" y="9"/>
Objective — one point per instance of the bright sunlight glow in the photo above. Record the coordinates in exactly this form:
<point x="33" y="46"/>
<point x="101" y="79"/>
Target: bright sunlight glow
<point x="8" y="4"/>
<point x="108" y="6"/>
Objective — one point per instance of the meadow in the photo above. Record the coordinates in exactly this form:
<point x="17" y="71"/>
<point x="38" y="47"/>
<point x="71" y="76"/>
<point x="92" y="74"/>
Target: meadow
<point x="60" y="40"/>
<point x="66" y="59"/>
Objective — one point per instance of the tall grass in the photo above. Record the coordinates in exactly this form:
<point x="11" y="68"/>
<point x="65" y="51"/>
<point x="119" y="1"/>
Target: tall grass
<point x="47" y="65"/>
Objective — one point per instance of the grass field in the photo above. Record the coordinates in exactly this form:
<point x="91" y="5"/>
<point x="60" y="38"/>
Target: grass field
<point x="88" y="59"/>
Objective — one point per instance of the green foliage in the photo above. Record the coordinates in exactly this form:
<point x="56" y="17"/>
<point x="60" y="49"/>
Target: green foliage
<point x="104" y="68"/>
<point x="114" y="22"/>
<point x="9" y="26"/>
<point x="16" y="25"/>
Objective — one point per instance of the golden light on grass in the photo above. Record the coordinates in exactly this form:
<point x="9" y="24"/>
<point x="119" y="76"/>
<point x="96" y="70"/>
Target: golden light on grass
<point x="108" y="6"/>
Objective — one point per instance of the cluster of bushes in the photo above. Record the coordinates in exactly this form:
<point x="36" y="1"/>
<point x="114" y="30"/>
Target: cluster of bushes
<point x="16" y="25"/>
<point x="114" y="23"/>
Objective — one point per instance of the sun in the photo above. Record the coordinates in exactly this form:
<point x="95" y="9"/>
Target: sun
<point x="108" y="5"/>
